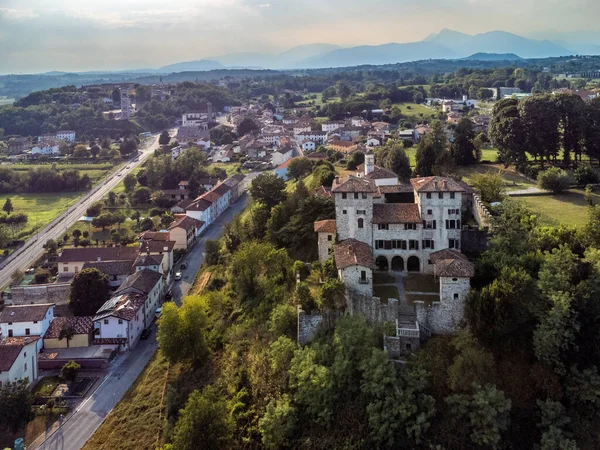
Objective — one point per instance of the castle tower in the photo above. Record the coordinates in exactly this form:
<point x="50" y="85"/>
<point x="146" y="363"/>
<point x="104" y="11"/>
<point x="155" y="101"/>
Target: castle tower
<point x="125" y="105"/>
<point x="209" y="111"/>
<point x="369" y="162"/>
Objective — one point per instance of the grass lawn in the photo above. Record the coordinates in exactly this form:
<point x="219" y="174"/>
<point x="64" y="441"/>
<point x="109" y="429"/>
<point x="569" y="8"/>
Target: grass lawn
<point x="40" y="208"/>
<point x="230" y="168"/>
<point x="386" y="292"/>
<point x="139" y="418"/>
<point x="512" y="179"/>
<point x="415" y="110"/>
<point x="489" y="154"/>
<point x="46" y="386"/>
<point x="568" y="208"/>
<point x="421" y="283"/>
<point x="318" y="101"/>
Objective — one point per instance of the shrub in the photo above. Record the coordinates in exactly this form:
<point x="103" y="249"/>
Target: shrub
<point x="70" y="370"/>
<point x="584" y="174"/>
<point x="41" y="276"/>
<point x="554" y="179"/>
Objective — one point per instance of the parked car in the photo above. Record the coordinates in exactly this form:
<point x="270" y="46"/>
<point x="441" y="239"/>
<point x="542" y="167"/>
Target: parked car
<point x="169" y="296"/>
<point x="146" y="333"/>
<point x="177" y="276"/>
<point x="158" y="313"/>
<point x="183" y="266"/>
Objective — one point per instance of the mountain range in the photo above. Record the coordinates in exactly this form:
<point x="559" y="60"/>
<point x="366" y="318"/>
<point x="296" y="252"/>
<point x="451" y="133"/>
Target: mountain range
<point x="447" y="44"/>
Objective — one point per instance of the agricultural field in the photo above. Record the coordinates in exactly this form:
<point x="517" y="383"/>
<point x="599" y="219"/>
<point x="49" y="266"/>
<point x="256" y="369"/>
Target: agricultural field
<point x="318" y="101"/>
<point x="416" y="110"/>
<point x="95" y="171"/>
<point x="41" y="209"/>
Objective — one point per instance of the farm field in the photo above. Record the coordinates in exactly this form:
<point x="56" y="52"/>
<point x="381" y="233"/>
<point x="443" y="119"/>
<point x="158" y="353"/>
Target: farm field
<point x="95" y="171"/>
<point x="40" y="208"/>
<point x="415" y="110"/>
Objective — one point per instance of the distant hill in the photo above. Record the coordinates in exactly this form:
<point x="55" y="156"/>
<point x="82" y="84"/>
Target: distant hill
<point x="191" y="66"/>
<point x="493" y="57"/>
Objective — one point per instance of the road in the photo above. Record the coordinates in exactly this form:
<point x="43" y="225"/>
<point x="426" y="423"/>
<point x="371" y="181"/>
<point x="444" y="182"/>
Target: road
<point x="34" y="247"/>
<point x="78" y="428"/>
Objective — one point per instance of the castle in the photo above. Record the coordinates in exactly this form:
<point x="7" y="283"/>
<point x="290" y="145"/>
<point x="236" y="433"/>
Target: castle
<point x="385" y="226"/>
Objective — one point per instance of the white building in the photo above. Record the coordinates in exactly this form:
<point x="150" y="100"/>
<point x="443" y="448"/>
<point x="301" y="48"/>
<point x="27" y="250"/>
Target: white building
<point x="18" y="359"/>
<point x="282" y="155"/>
<point x="308" y="146"/>
<point x="46" y="148"/>
<point x="26" y="321"/>
<point x="318" y="137"/>
<point x="328" y="127"/>
<point x="383" y="225"/>
<point x="66" y="135"/>
<point x="198" y="119"/>
<point x="120" y="320"/>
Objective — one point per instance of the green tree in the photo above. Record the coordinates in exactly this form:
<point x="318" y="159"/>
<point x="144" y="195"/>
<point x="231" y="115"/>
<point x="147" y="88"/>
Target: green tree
<point x="268" y="189"/>
<point x="554" y="179"/>
<point x="506" y="131"/>
<point x="212" y="252"/>
<point x="303" y="297"/>
<point x="16" y="401"/>
<point x="490" y="186"/>
<point x="283" y="320"/>
<point x="278" y="424"/>
<point x="69" y="371"/>
<point x="164" y="138"/>
<point x="485" y="414"/>
<point x="81" y="151"/>
<point x="247" y="125"/>
<point x="472" y="363"/>
<point x="8" y="206"/>
<point x="129" y="181"/>
<point x="95" y="151"/>
<point x="182" y="331"/>
<point x="299" y="167"/>
<point x="463" y="149"/>
<point x="89" y="290"/>
<point x="554" y="424"/>
<point x="141" y="196"/>
<point x="204" y="422"/>
<point x="541" y="119"/>
<point x="430" y="149"/>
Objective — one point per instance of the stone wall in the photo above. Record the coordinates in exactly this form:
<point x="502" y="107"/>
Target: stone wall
<point x="445" y="316"/>
<point x="346" y="215"/>
<point x="325" y="246"/>
<point x="352" y="278"/>
<point x="372" y="308"/>
<point x="481" y="213"/>
<point x="308" y="325"/>
<point x="42" y="293"/>
<point x="473" y="240"/>
<point x="399" y="346"/>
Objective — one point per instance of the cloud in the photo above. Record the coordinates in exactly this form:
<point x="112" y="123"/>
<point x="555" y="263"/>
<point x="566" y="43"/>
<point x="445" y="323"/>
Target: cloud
<point x="264" y="5"/>
<point x="18" y="14"/>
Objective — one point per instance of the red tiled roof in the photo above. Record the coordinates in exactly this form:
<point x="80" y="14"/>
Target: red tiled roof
<point x="323" y="191"/>
<point x="352" y="252"/>
<point x="325" y="226"/>
<point x="24" y="313"/>
<point x="186" y="222"/>
<point x="353" y="184"/>
<point x="80" y="325"/>
<point x="436" y="184"/>
<point x="396" y="213"/>
<point x="451" y="263"/>
<point x="95" y="253"/>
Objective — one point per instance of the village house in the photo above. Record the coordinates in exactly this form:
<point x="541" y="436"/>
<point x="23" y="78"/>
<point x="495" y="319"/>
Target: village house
<point x="116" y="271"/>
<point x="342" y="146"/>
<point x="71" y="260"/>
<point x="282" y="155"/>
<point x="26" y="320"/>
<point x="235" y="183"/>
<point x="149" y="284"/>
<point x="308" y="146"/>
<point x="319" y="137"/>
<point x="18" y="359"/>
<point x="46" y="147"/>
<point x="81" y="332"/>
<point x="185" y="230"/>
<point x="120" y="320"/>
<point x="330" y="126"/>
<point x="66" y="135"/>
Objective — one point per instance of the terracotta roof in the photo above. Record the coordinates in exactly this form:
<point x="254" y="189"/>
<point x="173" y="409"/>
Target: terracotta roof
<point x="353" y="253"/>
<point x="24" y="313"/>
<point x="123" y="306"/>
<point x="379" y="173"/>
<point x="184" y="204"/>
<point x="148" y="260"/>
<point x="323" y="191"/>
<point x="325" y="226"/>
<point x="97" y="254"/>
<point x="142" y="280"/>
<point x="211" y="196"/>
<point x="353" y="184"/>
<point x="80" y="325"/>
<point x="451" y="263"/>
<point x="396" y="213"/>
<point x="155" y="236"/>
<point x="8" y="355"/>
<point x="157" y="246"/>
<point x="19" y="340"/>
<point x="200" y="204"/>
<point x="111" y="267"/>
<point x="186" y="222"/>
<point x="395" y="189"/>
<point x="222" y="189"/>
<point x="436" y="184"/>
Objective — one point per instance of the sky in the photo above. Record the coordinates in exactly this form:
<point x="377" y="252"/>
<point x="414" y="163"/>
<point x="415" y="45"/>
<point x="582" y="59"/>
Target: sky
<point x="78" y="35"/>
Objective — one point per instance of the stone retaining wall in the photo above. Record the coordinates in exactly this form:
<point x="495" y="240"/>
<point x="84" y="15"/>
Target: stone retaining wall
<point x="41" y="293"/>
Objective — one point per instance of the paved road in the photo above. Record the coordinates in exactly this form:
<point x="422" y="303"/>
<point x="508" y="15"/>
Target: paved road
<point x="78" y="428"/>
<point x="33" y="248"/>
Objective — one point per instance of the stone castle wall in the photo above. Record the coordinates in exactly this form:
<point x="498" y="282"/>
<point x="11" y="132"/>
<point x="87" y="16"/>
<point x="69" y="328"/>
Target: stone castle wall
<point x="372" y="308"/>
<point x="445" y="316"/>
<point x="481" y="213"/>
<point x="308" y="325"/>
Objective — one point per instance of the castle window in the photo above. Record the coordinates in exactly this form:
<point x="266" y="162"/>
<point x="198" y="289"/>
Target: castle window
<point x="383" y="226"/>
<point x="454" y="279"/>
<point x="429" y="195"/>
<point x="455" y="296"/>
<point x="428" y="243"/>
<point x="361" y="223"/>
<point x="363" y="275"/>
<point x="329" y="237"/>
<point x="344" y="196"/>
<point x="364" y="195"/>
<point x="361" y="211"/>
<point x="452" y="195"/>
<point x="429" y="212"/>
<point x="356" y="196"/>
<point x="344" y="212"/>
<point x="441" y="195"/>
<point x="454" y="243"/>
<point x="410" y="226"/>
<point x="413" y="244"/>
<point x="408" y="346"/>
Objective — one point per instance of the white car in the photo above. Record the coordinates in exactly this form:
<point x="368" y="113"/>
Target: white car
<point x="177" y="276"/>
